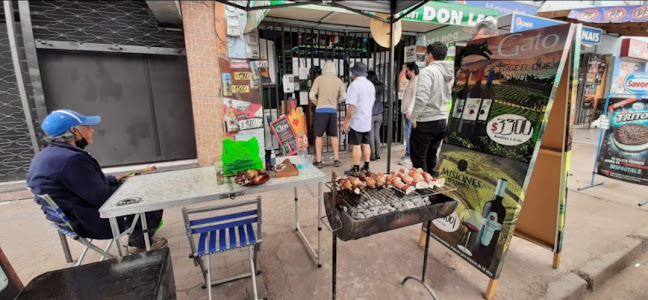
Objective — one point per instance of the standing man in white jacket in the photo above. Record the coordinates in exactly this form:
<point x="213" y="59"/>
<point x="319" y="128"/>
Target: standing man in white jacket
<point x="407" y="106"/>
<point x="429" y="115"/>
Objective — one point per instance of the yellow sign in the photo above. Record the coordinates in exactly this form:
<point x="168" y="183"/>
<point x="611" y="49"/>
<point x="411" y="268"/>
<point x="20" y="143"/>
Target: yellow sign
<point x="240" y="89"/>
<point x="241" y="75"/>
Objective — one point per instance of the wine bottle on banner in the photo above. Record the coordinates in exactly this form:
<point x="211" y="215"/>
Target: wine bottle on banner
<point x="458" y="105"/>
<point x="493" y="215"/>
<point x="471" y="108"/>
<point x="488" y="95"/>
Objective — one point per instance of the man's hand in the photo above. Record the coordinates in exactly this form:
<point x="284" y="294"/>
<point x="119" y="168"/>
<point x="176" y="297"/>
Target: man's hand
<point x="122" y="178"/>
<point x="345" y="127"/>
<point x="414" y="125"/>
<point x="408" y="115"/>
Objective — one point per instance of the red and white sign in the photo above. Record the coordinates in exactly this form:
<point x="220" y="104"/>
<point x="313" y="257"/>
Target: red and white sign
<point x="588" y="14"/>
<point x="634" y="49"/>
<point x="615" y="13"/>
<point x="640" y="12"/>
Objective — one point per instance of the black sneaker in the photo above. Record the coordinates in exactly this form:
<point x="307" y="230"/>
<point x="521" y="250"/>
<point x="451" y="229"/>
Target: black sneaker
<point x="377" y="156"/>
<point x="318" y="164"/>
<point x="336" y="163"/>
<point x="364" y="168"/>
<point x="372" y="158"/>
<point x="352" y="172"/>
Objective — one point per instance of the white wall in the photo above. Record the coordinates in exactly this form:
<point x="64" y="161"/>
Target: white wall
<point x="565" y="5"/>
<point x="609" y="45"/>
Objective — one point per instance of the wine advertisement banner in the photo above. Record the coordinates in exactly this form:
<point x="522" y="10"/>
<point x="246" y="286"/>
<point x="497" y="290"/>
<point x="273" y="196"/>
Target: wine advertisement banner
<point x="502" y="100"/>
<point x="624" y="149"/>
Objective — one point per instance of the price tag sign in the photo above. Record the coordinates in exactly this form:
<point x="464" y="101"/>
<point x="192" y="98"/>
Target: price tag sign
<point x="240" y="89"/>
<point x="242" y="75"/>
<point x="510" y="130"/>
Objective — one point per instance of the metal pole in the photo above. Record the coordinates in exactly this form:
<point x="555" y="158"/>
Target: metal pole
<point x="11" y="34"/>
<point x="32" y="59"/>
<point x="390" y="97"/>
<point x="598" y="151"/>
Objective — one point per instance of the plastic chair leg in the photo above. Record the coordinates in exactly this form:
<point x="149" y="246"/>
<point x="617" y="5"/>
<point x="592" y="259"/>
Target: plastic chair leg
<point x="208" y="279"/>
<point x="66" y="247"/>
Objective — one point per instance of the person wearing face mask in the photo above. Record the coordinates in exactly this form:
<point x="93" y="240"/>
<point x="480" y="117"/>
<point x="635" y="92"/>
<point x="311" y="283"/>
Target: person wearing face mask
<point x="407" y="106"/>
<point x="73" y="178"/>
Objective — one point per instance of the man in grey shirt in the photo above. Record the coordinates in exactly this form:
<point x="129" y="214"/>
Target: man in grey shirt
<point x="357" y="124"/>
<point x="429" y="115"/>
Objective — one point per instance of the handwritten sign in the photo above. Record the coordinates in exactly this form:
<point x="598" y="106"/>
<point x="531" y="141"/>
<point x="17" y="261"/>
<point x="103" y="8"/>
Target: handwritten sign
<point x="242" y="75"/>
<point x="285" y="135"/>
<point x="251" y="123"/>
<point x="240" y="89"/>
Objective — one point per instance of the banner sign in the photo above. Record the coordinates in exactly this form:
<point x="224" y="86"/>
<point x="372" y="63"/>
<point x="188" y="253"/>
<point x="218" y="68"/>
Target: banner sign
<point x="241" y="81"/>
<point x="616" y="14"/>
<point x="624" y="149"/>
<point x="634" y="48"/>
<point x="431" y="12"/>
<point x="504" y="7"/>
<point x="520" y="22"/>
<point x="502" y="99"/>
<point x="451" y="14"/>
<point x="449" y="34"/>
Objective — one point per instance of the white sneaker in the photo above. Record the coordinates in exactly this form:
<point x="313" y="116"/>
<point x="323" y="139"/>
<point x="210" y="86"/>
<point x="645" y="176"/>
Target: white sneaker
<point x="405" y="160"/>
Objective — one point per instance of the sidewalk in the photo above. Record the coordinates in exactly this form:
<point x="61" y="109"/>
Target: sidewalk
<point x="605" y="231"/>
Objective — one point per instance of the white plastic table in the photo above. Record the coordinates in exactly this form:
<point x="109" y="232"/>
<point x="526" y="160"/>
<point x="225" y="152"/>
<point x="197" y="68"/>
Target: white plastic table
<point x="162" y="190"/>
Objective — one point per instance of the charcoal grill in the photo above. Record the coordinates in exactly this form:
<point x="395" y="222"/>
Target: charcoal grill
<point x="388" y="209"/>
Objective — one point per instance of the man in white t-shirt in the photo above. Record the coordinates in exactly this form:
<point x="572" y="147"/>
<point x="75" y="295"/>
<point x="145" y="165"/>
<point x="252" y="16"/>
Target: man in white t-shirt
<point x="357" y="124"/>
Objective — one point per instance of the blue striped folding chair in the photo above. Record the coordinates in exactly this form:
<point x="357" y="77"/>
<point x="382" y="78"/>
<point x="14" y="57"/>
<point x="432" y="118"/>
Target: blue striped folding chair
<point x="65" y="229"/>
<point x="216" y="234"/>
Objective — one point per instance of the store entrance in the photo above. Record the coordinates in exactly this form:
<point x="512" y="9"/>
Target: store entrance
<point x="295" y="50"/>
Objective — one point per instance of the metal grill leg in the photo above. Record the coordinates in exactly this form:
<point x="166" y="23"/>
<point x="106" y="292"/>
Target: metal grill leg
<point x="320" y="199"/>
<point x="334" y="265"/>
<point x="66" y="247"/>
<point x="253" y="270"/>
<point x="425" y="258"/>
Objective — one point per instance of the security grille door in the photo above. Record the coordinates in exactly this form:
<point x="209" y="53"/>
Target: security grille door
<point x="144" y="102"/>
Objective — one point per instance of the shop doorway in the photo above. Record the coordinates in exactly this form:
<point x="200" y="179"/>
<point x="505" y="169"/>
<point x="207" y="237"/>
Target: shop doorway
<point x="304" y="47"/>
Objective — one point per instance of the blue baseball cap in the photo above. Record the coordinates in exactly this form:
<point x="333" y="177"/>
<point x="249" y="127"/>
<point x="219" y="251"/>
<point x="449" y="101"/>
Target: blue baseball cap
<point x="60" y="121"/>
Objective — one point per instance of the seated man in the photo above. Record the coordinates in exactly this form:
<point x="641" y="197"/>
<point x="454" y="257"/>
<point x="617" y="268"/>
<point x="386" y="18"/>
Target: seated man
<point x="74" y="179"/>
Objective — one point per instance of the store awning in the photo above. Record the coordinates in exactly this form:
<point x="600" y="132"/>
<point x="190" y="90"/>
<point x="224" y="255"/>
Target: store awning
<point x="417" y="16"/>
<point x="623" y="20"/>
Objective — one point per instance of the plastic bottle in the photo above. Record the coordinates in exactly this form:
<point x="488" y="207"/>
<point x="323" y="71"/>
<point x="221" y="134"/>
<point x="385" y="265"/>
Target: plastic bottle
<point x="273" y="161"/>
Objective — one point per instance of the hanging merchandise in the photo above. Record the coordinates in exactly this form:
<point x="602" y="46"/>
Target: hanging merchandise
<point x="381" y="31"/>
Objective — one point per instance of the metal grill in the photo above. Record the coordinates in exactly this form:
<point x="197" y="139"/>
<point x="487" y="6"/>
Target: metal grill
<point x="375" y="202"/>
<point x="102" y="22"/>
<point x="16" y="150"/>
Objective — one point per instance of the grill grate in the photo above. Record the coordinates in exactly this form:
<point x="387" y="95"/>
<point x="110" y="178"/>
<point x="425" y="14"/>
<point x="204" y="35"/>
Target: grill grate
<point x="373" y="202"/>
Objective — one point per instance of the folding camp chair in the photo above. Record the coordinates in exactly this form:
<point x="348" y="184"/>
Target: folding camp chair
<point x="66" y="229"/>
<point x="223" y="233"/>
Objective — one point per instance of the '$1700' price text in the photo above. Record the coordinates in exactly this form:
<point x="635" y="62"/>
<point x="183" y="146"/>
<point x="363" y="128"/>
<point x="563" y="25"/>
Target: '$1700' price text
<point x="510" y="130"/>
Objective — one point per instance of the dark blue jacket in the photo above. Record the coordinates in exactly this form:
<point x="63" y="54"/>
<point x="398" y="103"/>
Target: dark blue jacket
<point x="75" y="181"/>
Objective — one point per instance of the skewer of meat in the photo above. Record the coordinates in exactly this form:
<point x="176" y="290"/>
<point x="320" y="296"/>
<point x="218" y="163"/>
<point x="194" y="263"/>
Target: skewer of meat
<point x="370" y="181"/>
<point x="403" y="187"/>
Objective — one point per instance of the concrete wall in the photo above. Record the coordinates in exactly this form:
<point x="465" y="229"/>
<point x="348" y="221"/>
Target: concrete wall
<point x="205" y="39"/>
